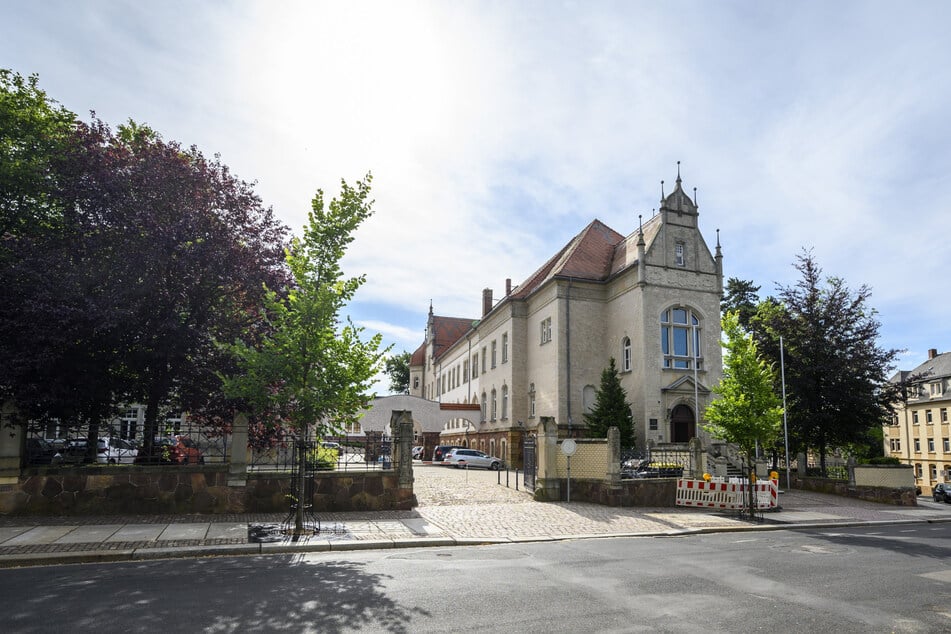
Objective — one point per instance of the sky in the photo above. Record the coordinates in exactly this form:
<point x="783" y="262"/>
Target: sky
<point x="496" y="131"/>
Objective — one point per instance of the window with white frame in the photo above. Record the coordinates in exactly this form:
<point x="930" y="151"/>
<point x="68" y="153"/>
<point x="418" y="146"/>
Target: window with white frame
<point x="494" y="348"/>
<point x="914" y="417"/>
<point x="917" y="445"/>
<point x="531" y="400"/>
<point x="484" y="409"/>
<point x="679" y="258"/>
<point x="931" y="445"/>
<point x="934" y="472"/>
<point x="935" y="388"/>
<point x="918" y="470"/>
<point x="475" y="365"/>
<point x="947" y="445"/>
<point x="505" y="402"/>
<point x="626" y="354"/>
<point x="465" y="371"/>
<point x="494" y="405"/>
<point x="680" y="339"/>
<point x="505" y="347"/>
<point x="928" y="418"/>
<point x="546" y="330"/>
<point x="944" y="414"/>
<point x="484" y="357"/>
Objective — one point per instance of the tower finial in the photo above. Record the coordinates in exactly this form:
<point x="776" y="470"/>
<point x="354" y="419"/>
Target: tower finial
<point x="640" y="225"/>
<point x="662" y="189"/>
<point x="718" y="238"/>
<point x="678" y="171"/>
<point x="695" y="197"/>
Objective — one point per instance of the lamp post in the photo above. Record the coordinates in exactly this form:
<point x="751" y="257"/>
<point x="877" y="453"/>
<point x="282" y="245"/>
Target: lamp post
<point x="782" y="371"/>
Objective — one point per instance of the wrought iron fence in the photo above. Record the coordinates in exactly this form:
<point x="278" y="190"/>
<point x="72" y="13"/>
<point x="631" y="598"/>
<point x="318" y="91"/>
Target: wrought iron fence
<point x="177" y="442"/>
<point x="654" y="463"/>
<point x="529" y="463"/>
<point x="345" y="453"/>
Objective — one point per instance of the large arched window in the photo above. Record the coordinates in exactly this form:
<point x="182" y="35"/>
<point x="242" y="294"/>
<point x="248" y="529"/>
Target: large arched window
<point x="494" y="405"/>
<point x="680" y="339"/>
<point x="484" y="408"/>
<point x="505" y="402"/>
<point x="626" y="354"/>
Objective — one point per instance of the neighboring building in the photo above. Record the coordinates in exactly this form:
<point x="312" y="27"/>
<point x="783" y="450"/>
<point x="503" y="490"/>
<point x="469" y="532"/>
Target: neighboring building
<point x="919" y="433"/>
<point x="651" y="300"/>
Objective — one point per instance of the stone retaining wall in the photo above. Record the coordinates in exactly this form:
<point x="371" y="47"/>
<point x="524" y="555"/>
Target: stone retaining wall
<point x="902" y="496"/>
<point x="194" y="489"/>
<point x="652" y="492"/>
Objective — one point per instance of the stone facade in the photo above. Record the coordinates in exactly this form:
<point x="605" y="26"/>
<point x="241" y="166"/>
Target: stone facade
<point x="650" y="300"/>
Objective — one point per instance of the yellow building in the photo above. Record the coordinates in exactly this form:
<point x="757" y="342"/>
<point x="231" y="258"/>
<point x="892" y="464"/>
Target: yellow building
<point x="919" y="433"/>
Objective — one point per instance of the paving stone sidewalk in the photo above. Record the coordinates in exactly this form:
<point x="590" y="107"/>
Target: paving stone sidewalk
<point x="455" y="507"/>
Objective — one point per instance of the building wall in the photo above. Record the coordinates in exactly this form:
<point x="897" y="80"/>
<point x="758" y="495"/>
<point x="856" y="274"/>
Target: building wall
<point x="931" y="456"/>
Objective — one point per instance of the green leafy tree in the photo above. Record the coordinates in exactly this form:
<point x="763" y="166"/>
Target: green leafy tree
<point x="397" y="368"/>
<point x="747" y="410"/>
<point x="611" y="409"/>
<point x="741" y="297"/>
<point x="311" y="371"/>
<point x="835" y="370"/>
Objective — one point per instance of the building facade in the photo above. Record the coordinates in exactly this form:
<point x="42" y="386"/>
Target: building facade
<point x="650" y="300"/>
<point x="919" y="433"/>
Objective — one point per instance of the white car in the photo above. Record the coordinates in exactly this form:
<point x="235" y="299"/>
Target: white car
<point x="109" y="450"/>
<point x="472" y="458"/>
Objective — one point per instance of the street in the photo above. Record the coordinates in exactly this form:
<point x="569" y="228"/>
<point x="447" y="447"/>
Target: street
<point x="869" y="579"/>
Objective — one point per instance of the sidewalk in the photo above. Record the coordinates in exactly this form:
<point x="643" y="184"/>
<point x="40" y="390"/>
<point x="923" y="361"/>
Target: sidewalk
<point x="479" y="514"/>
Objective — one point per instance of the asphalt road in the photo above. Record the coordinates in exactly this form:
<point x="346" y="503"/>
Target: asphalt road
<point x="869" y="579"/>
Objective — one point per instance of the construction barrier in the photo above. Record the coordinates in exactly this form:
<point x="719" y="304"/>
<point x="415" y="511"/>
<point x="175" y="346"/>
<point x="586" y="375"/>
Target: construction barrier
<point x="727" y="495"/>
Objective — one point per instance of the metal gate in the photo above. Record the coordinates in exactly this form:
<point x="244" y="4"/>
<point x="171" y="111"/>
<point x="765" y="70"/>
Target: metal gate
<point x="529" y="462"/>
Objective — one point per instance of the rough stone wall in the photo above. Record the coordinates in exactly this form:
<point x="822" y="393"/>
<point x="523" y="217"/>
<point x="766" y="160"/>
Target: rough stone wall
<point x="902" y="496"/>
<point x="198" y="489"/>
<point x="660" y="492"/>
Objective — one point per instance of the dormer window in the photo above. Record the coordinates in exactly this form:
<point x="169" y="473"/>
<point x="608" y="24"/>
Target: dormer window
<point x="679" y="257"/>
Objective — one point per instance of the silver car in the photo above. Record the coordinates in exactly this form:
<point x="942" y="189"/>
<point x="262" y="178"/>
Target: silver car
<point x="472" y="458"/>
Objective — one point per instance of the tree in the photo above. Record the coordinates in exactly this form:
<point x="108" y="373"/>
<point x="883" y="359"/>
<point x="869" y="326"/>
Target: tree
<point x="834" y="367"/>
<point x="154" y="252"/>
<point x="611" y="409"/>
<point x="310" y="371"/>
<point x="397" y="368"/>
<point x="740" y="297"/>
<point x="747" y="410"/>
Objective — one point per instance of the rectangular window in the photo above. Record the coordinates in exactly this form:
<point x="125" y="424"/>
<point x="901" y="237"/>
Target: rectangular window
<point x="505" y="402"/>
<point x="931" y="445"/>
<point x="546" y="330"/>
<point x="934" y="472"/>
<point x="679" y="254"/>
<point x="928" y="416"/>
<point x="917" y="446"/>
<point x="531" y="404"/>
<point x="914" y="417"/>
<point x="947" y="445"/>
<point x="653" y="424"/>
<point x="505" y="348"/>
<point x="475" y="365"/>
<point x="918" y="470"/>
<point x="465" y="370"/>
<point x="484" y="357"/>
<point x="898" y="444"/>
<point x="944" y="414"/>
<point x="935" y="389"/>
<point x="494" y="346"/>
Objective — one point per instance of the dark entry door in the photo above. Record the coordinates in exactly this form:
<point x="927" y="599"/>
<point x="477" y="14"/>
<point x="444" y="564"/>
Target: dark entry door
<point x="683" y="424"/>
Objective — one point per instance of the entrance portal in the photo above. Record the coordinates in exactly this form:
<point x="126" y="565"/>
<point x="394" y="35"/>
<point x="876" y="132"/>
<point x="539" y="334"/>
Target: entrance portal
<point x="683" y="424"/>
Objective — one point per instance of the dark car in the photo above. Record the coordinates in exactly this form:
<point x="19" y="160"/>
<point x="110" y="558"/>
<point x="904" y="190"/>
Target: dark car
<point x="942" y="492"/>
<point x="38" y="451"/>
<point x="441" y="451"/>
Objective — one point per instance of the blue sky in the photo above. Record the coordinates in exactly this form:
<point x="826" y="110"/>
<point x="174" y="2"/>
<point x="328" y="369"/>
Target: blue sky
<point x="497" y="130"/>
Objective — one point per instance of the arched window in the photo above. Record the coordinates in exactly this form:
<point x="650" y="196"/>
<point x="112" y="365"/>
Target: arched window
<point x="494" y="405"/>
<point x="484" y="408"/>
<point x="505" y="402"/>
<point x="626" y="354"/>
<point x="680" y="339"/>
<point x="589" y="395"/>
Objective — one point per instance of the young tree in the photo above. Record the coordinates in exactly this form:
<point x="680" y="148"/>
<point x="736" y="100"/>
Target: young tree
<point x="611" y="409"/>
<point x="834" y="366"/>
<point x="310" y="372"/>
<point x="747" y="410"/>
<point x="397" y="368"/>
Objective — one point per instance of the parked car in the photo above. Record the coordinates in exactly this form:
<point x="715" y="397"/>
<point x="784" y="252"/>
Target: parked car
<point x="439" y="453"/>
<point x="652" y="470"/>
<point x="418" y="452"/>
<point x="117" y="451"/>
<point x="942" y="492"/>
<point x="177" y="449"/>
<point x="472" y="458"/>
<point x="38" y="451"/>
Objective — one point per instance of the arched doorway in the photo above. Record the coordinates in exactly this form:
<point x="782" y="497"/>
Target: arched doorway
<point x="683" y="424"/>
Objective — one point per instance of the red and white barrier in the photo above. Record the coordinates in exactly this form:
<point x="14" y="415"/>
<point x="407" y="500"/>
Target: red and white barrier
<point x="727" y="495"/>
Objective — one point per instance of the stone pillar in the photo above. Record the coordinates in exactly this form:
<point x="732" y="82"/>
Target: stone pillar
<point x="762" y="469"/>
<point x="721" y="466"/>
<point x="547" y="484"/>
<point x="696" y="467"/>
<point x="238" y="458"/>
<point x="850" y="466"/>
<point x="614" y="457"/>
<point x="12" y="440"/>
<point x="401" y="422"/>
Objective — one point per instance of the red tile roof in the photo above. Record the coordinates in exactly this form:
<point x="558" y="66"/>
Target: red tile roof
<point x="447" y="331"/>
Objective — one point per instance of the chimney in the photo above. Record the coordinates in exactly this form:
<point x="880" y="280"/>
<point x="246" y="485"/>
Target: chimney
<point x="486" y="301"/>
<point x="932" y="353"/>
<point x="508" y="286"/>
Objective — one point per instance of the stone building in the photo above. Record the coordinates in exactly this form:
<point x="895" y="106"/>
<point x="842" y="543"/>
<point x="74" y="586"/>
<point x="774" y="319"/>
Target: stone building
<point x="919" y="432"/>
<point x="650" y="300"/>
